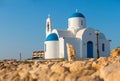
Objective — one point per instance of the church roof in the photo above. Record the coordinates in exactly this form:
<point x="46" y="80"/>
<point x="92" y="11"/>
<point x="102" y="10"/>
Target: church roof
<point x="77" y="14"/>
<point x="101" y="36"/>
<point x="52" y="37"/>
<point x="63" y="33"/>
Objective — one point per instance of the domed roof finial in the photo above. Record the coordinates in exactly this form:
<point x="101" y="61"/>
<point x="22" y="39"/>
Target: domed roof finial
<point x="77" y="14"/>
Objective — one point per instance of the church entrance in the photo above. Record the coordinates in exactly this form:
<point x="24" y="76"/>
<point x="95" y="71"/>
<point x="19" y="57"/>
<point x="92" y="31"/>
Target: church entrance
<point x="89" y="49"/>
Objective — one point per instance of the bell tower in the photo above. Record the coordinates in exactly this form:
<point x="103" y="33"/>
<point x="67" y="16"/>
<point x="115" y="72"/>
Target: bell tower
<point x="48" y="25"/>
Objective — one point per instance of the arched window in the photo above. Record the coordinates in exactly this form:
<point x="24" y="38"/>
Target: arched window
<point x="103" y="47"/>
<point x="48" y="27"/>
<point x="82" y="22"/>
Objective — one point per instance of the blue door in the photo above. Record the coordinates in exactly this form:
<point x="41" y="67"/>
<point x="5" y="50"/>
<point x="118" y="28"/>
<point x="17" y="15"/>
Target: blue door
<point x="89" y="49"/>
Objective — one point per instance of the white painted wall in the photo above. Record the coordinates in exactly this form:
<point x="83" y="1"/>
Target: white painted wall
<point x="106" y="52"/>
<point x="89" y="35"/>
<point x="52" y="49"/>
<point x="75" y="43"/>
<point x="76" y="23"/>
<point x="103" y="40"/>
<point x="57" y="49"/>
<point x="61" y="47"/>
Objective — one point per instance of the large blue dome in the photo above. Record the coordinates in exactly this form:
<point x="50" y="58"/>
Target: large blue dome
<point x="52" y="37"/>
<point x="77" y="14"/>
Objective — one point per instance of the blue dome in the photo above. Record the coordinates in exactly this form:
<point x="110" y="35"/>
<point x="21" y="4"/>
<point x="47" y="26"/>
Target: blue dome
<point x="77" y="14"/>
<point x="52" y="37"/>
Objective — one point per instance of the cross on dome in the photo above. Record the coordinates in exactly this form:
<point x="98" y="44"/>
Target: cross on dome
<point x="77" y="14"/>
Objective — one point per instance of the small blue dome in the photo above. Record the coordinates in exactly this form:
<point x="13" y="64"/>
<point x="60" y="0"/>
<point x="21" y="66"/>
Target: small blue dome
<point x="77" y="14"/>
<point x="52" y="37"/>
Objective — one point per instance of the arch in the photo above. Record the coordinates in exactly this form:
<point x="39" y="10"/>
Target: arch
<point x="82" y="22"/>
<point x="89" y="49"/>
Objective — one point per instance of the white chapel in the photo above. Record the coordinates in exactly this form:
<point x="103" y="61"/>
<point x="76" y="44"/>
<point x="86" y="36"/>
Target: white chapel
<point x="87" y="42"/>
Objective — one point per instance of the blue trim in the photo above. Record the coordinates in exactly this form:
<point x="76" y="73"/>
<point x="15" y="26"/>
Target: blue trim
<point x="89" y="49"/>
<point x="52" y="37"/>
<point x="103" y="47"/>
<point x="77" y="15"/>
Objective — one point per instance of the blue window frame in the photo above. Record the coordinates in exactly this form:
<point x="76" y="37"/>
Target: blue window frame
<point x="103" y="47"/>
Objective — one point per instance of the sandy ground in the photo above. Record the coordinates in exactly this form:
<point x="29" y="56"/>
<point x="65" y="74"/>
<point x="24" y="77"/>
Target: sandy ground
<point x="102" y="69"/>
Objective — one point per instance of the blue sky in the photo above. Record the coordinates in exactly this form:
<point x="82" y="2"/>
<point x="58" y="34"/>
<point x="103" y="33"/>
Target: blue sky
<point x="22" y="22"/>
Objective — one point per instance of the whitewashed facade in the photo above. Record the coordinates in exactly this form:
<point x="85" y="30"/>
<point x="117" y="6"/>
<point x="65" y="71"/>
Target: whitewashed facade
<point x="83" y="39"/>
